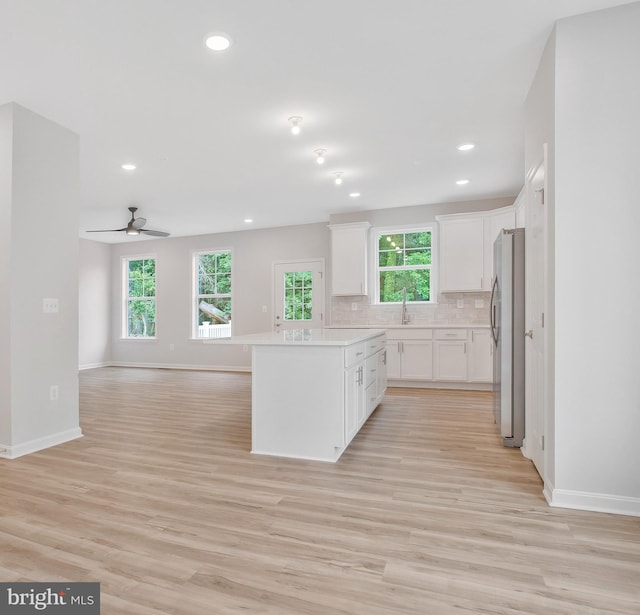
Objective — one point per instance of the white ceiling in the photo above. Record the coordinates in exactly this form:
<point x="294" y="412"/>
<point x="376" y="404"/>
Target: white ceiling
<point x="387" y="87"/>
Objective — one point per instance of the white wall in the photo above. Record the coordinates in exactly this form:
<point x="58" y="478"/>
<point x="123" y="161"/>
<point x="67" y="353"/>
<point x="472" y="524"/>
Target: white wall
<point x="94" y="325"/>
<point x="597" y="285"/>
<point x="540" y="121"/>
<point x="584" y="104"/>
<point x="6" y="186"/>
<point x="43" y="263"/>
<point x="253" y="255"/>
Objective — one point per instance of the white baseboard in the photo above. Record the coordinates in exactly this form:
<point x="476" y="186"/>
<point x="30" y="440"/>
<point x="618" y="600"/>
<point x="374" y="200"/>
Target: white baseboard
<point x="211" y="368"/>
<point x="430" y="384"/>
<point x="93" y="365"/>
<point x="597" y="502"/>
<point x="11" y="452"/>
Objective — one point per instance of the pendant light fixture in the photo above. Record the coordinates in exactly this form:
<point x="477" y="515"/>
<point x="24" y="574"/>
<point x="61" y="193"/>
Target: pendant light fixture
<point x="338" y="177"/>
<point x="320" y="155"/>
<point x="294" y="122"/>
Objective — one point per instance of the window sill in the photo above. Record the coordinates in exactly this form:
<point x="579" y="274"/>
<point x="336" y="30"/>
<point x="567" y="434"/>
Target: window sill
<point x="139" y="339"/>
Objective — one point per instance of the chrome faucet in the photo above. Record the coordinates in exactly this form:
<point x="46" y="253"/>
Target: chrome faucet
<point x="405" y="316"/>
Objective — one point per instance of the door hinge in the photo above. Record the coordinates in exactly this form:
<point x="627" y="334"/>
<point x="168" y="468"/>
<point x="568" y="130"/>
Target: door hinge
<point x="542" y="319"/>
<point x="540" y="191"/>
<point x="541" y="442"/>
<point x="321" y="316"/>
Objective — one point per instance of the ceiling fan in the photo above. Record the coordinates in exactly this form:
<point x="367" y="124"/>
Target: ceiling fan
<point x="134" y="227"/>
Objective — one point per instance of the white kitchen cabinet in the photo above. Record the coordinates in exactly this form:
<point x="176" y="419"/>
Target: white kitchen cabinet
<point x="480" y="356"/>
<point x="494" y="222"/>
<point x="349" y="258"/>
<point x="466" y="248"/>
<point x="354" y="401"/>
<point x="410" y="354"/>
<point x="450" y="355"/>
<point x="381" y="375"/>
<point x="308" y="389"/>
<point x="461" y="253"/>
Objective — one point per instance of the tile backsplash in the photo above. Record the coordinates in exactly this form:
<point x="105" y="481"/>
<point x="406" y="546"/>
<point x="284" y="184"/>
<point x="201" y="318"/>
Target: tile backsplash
<point x="445" y="312"/>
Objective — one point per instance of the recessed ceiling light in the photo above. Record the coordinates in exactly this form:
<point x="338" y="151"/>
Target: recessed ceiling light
<point x="354" y="195"/>
<point x="128" y="166"/>
<point x="465" y="147"/>
<point x="248" y="220"/>
<point x="462" y="182"/>
<point x="218" y="41"/>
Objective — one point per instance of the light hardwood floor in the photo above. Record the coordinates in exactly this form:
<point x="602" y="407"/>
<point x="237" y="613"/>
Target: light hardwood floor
<point x="425" y="513"/>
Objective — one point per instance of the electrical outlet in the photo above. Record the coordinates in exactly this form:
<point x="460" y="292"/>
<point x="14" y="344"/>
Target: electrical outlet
<point x="54" y="392"/>
<point x="460" y="303"/>
<point x="264" y="309"/>
<point x="479" y="303"/>
<point x="245" y="347"/>
<point x="50" y="306"/>
<point x="354" y="307"/>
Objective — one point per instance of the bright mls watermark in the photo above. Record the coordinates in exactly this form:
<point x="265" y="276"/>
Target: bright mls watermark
<point x="54" y="598"/>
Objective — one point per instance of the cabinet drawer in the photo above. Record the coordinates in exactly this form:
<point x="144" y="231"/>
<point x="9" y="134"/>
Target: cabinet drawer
<point x="354" y="354"/>
<point x="409" y="334"/>
<point x="372" y="346"/>
<point x="451" y="334"/>
<point x="370" y="370"/>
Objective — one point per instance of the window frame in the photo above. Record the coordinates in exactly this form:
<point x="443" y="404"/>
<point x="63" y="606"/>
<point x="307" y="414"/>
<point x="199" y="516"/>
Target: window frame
<point x="126" y="299"/>
<point x="195" y="295"/>
<point x="376" y="233"/>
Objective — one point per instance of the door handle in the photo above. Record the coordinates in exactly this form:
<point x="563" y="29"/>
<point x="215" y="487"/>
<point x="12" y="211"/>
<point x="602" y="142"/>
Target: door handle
<point x="529" y="334"/>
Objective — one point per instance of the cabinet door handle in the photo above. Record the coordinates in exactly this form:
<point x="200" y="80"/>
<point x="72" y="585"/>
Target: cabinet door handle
<point x="465" y="348"/>
<point x="472" y="336"/>
<point x="359" y="354"/>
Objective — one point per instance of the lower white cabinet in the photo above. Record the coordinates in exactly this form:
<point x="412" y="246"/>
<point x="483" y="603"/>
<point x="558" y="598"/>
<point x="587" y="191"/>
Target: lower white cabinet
<point x="454" y="355"/>
<point x="480" y="356"/>
<point x="450" y="361"/>
<point x="450" y="354"/>
<point x="365" y="383"/>
<point x="354" y="401"/>
<point x="410" y="354"/>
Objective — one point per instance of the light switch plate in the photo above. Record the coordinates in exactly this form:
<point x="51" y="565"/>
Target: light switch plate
<point x="50" y="306"/>
<point x="479" y="303"/>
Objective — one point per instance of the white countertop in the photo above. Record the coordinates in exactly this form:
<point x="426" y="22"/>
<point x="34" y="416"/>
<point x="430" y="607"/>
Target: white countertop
<point x="384" y="327"/>
<point x="307" y="337"/>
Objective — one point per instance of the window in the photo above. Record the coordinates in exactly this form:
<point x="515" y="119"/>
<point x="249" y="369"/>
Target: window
<point x="298" y="295"/>
<point x="404" y="260"/>
<point x="212" y="296"/>
<point x="140" y="291"/>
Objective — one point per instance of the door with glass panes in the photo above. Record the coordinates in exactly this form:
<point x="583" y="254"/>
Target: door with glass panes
<point x="298" y="295"/>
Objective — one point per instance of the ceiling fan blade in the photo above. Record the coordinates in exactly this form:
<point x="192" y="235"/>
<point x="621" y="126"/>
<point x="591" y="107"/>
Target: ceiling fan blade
<point x="138" y="223"/>
<point x="108" y="230"/>
<point x="154" y="233"/>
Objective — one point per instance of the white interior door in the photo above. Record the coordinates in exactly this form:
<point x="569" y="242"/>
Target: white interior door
<point x="534" y="316"/>
<point x="298" y="295"/>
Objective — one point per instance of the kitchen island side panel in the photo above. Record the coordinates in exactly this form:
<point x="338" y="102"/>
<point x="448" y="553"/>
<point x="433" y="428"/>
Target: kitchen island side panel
<point x="298" y="401"/>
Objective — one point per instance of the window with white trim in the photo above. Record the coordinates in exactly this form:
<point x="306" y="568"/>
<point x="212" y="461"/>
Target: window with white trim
<point x="139" y="317"/>
<point x="404" y="260"/>
<point x="212" y="294"/>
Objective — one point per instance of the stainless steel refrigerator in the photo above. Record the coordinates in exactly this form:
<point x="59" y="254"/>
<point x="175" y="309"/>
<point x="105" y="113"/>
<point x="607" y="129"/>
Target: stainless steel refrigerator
<point x="507" y="330"/>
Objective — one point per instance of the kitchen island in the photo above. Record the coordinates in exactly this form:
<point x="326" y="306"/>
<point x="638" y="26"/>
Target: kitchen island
<point x="313" y="389"/>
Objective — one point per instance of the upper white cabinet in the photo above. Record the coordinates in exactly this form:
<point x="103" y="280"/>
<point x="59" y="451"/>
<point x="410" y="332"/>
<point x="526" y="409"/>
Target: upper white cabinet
<point x="461" y="253"/>
<point x="466" y="248"/>
<point x="349" y="258"/>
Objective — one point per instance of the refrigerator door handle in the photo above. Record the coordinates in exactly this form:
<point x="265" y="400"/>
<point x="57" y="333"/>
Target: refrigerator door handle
<point x="492" y="313"/>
